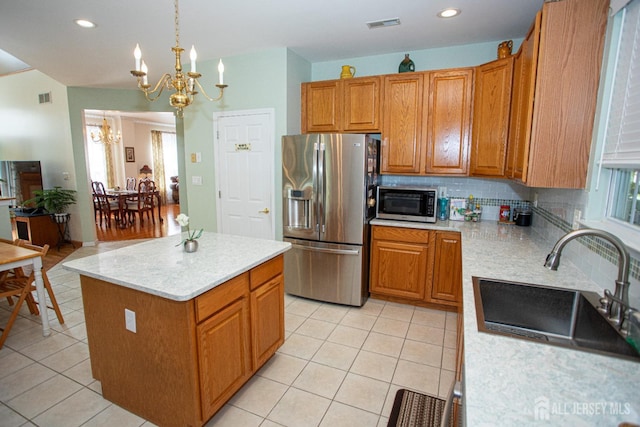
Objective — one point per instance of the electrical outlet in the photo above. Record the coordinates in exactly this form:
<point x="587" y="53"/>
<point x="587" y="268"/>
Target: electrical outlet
<point x="577" y="214"/>
<point x="130" y="320"/>
<point x="535" y="199"/>
<point x="198" y="157"/>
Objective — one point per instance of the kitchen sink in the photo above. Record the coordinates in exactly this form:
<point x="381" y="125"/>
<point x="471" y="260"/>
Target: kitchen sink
<point x="549" y="315"/>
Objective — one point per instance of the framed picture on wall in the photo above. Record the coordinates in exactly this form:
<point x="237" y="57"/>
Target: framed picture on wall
<point x="129" y="154"/>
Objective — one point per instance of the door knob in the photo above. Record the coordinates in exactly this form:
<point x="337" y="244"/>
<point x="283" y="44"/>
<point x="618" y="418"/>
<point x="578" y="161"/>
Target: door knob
<point x="264" y="211"/>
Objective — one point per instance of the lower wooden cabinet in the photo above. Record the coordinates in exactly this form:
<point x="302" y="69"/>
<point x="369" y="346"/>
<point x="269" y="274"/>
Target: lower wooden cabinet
<point x="420" y="267"/>
<point x="186" y="358"/>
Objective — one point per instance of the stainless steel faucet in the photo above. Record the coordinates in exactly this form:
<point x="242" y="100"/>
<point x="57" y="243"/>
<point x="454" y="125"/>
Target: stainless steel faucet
<point x="615" y="306"/>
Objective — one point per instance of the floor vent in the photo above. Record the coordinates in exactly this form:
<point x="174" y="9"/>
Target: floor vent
<point x="44" y="98"/>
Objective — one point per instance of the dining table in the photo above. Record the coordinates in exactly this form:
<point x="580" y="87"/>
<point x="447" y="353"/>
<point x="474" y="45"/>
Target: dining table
<point x="122" y="196"/>
<point x="12" y="256"/>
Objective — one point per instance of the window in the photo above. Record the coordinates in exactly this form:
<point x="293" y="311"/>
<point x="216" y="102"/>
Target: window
<point x="96" y="157"/>
<point x="622" y="144"/>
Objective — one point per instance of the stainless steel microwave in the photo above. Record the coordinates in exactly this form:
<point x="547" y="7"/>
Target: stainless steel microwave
<point x="407" y="203"/>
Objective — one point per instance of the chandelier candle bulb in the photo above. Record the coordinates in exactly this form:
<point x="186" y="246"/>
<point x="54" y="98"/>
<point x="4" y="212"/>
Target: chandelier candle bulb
<point x="137" y="53"/>
<point x="221" y="72"/>
<point x="193" y="55"/>
<point x="145" y="70"/>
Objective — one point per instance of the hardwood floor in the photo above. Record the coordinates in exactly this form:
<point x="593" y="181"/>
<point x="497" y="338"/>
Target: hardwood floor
<point x="168" y="227"/>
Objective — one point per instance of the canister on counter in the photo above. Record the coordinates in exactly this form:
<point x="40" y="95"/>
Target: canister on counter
<point x="443" y="208"/>
<point x="505" y="213"/>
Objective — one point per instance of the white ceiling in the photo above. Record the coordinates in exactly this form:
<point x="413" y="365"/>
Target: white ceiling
<point x="43" y="34"/>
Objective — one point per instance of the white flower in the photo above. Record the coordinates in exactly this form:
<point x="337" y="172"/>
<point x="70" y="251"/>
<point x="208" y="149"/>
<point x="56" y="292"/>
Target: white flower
<point x="183" y="220"/>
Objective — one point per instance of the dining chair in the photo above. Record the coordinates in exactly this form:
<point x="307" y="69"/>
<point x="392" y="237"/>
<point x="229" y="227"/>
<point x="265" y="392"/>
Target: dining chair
<point x="45" y="279"/>
<point x="21" y="286"/>
<point x="144" y="203"/>
<point x="104" y="205"/>
<point x="131" y="183"/>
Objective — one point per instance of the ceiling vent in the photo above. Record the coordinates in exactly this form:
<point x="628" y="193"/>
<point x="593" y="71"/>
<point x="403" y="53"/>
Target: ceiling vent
<point x="383" y="23"/>
<point x="44" y="98"/>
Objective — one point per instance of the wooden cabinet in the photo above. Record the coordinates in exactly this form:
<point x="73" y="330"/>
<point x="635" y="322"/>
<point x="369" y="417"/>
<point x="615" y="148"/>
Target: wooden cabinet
<point x="346" y="105"/>
<point x="420" y="267"/>
<point x="558" y="66"/>
<point x="447" y="122"/>
<point x="185" y="359"/>
<point x="224" y="352"/>
<point x="401" y="260"/>
<point x="491" y="110"/>
<point x="401" y="123"/>
<point x="40" y="230"/>
<point x="427" y="123"/>
<point x="321" y="106"/>
<point x="267" y="310"/>
<point x="447" y="269"/>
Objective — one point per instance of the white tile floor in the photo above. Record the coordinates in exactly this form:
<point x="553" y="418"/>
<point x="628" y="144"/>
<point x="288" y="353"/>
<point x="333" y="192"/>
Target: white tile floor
<point x="339" y="366"/>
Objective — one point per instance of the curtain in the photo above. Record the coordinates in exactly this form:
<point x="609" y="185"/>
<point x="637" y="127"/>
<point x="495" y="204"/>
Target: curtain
<point x="158" y="164"/>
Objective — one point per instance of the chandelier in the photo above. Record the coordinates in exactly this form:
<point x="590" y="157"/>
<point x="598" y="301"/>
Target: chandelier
<point x="185" y="86"/>
<point x="105" y="134"/>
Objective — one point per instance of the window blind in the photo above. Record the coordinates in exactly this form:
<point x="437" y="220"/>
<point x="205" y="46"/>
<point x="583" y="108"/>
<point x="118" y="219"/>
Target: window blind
<point x="622" y="143"/>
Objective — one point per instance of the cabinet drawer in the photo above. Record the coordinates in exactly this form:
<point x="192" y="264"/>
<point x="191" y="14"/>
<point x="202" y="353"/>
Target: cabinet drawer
<point x="398" y="234"/>
<point x="266" y="271"/>
<point x="221" y="296"/>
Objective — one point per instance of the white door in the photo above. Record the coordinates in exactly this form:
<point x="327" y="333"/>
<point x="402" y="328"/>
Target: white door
<point x="244" y="172"/>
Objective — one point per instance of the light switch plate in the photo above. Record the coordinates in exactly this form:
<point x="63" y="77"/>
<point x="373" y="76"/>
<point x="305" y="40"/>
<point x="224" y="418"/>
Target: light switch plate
<point x="130" y="320"/>
<point x="196" y="180"/>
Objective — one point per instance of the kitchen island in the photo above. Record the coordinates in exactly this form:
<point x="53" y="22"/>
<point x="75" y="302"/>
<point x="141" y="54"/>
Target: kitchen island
<point x="173" y="335"/>
<point x="509" y="381"/>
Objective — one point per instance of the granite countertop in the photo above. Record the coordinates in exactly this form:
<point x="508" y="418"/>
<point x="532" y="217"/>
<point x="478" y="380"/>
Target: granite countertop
<point x="161" y="268"/>
<point x="509" y="381"/>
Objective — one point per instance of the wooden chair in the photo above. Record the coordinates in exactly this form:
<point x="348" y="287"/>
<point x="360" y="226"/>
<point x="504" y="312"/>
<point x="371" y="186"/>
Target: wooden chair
<point x="144" y="203"/>
<point x="131" y="183"/>
<point x="104" y="205"/>
<point x="21" y="287"/>
<point x="47" y="284"/>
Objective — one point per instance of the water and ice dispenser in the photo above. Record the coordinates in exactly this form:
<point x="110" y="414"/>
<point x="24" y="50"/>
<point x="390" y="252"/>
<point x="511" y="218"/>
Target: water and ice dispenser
<point x="297" y="208"/>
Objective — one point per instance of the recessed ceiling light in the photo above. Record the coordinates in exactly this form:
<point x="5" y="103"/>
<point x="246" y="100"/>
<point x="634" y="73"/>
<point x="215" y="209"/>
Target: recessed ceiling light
<point x="84" y="23"/>
<point x="449" y="13"/>
<point x="383" y="23"/>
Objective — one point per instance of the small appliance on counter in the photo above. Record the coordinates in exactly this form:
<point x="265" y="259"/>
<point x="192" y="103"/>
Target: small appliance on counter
<point x="407" y="203"/>
<point x="522" y="217"/>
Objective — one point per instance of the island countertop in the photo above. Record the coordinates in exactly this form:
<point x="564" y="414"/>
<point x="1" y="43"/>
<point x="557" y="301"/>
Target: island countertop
<point x="161" y="268"/>
<point x="509" y="381"/>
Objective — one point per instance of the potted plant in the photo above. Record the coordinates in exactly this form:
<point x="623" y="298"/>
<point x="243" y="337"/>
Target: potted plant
<point x="55" y="200"/>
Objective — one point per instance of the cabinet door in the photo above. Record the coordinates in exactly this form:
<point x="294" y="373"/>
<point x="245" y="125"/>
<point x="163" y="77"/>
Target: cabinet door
<point x="225" y="355"/>
<point x="402" y="121"/>
<point x="267" y="320"/>
<point x="448" y="122"/>
<point x="567" y="79"/>
<point x="401" y="262"/>
<point x="361" y="104"/>
<point x="321" y="106"/>
<point x="492" y="102"/>
<point x="447" y="273"/>
<point x="522" y="104"/>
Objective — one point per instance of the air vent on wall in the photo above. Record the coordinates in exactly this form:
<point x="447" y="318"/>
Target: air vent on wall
<point x="44" y="98"/>
<point x="383" y="23"/>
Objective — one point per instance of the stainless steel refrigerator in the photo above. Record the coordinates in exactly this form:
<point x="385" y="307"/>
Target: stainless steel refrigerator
<point x="328" y="189"/>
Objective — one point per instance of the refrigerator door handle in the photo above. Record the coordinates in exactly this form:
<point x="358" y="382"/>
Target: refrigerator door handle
<point x="316" y="189"/>
<point x="321" y="187"/>
<point x="326" y="250"/>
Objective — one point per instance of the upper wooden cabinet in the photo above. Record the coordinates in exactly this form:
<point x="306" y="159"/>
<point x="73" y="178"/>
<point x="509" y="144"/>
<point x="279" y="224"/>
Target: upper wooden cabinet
<point x="346" y="105"/>
<point x="361" y="98"/>
<point x="447" y="122"/>
<point x="427" y="122"/>
<point x="402" y="119"/>
<point x="558" y="66"/>
<point x="491" y="108"/>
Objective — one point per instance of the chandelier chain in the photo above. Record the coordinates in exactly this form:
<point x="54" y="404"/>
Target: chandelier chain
<point x="177" y="24"/>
